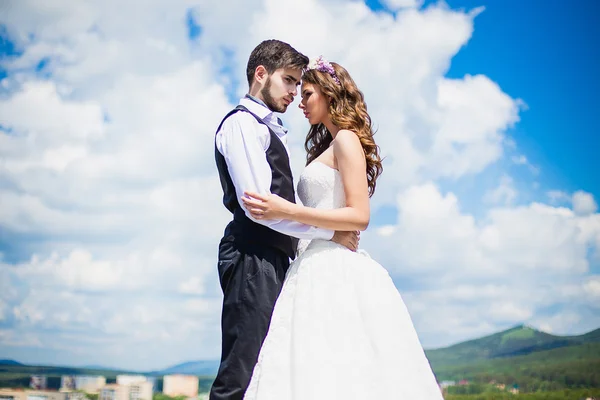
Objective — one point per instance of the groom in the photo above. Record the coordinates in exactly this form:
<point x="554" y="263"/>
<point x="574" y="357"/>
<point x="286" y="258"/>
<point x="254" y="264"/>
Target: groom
<point x="252" y="155"/>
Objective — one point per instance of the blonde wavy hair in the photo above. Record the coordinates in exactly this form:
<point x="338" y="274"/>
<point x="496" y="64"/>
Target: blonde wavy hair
<point x="347" y="110"/>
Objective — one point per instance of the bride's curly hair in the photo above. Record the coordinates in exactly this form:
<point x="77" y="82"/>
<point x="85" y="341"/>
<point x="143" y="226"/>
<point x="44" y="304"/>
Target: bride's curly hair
<point x="347" y="110"/>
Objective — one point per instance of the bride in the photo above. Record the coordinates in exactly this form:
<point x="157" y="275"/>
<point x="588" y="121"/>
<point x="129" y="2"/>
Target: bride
<point x="340" y="329"/>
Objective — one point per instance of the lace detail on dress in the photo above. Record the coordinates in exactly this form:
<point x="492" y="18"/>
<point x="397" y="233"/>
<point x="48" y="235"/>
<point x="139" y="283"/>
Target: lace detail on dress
<point x="320" y="186"/>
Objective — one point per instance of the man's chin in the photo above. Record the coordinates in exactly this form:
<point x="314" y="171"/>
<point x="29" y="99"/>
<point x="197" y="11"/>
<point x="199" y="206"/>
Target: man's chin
<point x="281" y="108"/>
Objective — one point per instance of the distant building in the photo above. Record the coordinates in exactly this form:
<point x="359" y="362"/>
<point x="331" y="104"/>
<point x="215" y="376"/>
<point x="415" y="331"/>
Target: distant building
<point x="129" y="379"/>
<point x="38" y="382"/>
<point x="133" y="391"/>
<point x="10" y="394"/>
<point x="180" y="385"/>
<point x="141" y="391"/>
<point x="132" y="379"/>
<point x="67" y="386"/>
<point x="67" y="382"/>
<point x="89" y="384"/>
<point x="114" y="392"/>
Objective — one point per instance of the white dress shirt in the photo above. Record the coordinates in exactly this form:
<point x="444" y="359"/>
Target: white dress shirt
<point x="243" y="142"/>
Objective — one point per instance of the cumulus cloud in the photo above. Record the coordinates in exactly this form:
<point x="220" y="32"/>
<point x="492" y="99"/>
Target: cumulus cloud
<point x="584" y="203"/>
<point x="111" y="203"/>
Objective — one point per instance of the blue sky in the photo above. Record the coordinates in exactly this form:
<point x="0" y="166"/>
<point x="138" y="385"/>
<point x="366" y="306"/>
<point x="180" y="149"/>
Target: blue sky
<point x="548" y="55"/>
<point x="109" y="225"/>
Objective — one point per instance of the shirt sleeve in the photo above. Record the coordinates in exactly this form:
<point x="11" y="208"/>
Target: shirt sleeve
<point x="243" y="143"/>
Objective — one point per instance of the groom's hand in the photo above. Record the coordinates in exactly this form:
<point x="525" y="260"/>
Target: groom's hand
<point x="348" y="239"/>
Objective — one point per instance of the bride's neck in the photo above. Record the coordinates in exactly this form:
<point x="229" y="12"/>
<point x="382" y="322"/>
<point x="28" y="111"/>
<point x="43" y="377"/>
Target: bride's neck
<point x="331" y="127"/>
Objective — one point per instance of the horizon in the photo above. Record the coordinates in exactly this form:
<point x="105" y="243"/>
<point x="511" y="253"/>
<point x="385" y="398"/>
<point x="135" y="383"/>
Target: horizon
<point x="160" y="371"/>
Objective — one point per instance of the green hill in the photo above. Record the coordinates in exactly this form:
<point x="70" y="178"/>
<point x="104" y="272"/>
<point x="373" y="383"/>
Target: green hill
<point x="9" y="362"/>
<point x="572" y="366"/>
<point x="520" y="340"/>
<point x="523" y="356"/>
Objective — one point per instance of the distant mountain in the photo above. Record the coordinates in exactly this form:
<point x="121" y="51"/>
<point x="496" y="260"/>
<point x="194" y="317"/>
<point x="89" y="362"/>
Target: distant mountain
<point x="10" y="362"/>
<point x="560" y="368"/>
<point x="520" y="340"/>
<point x="590" y="337"/>
<point x="200" y="368"/>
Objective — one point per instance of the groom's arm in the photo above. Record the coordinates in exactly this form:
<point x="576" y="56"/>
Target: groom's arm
<point x="243" y="143"/>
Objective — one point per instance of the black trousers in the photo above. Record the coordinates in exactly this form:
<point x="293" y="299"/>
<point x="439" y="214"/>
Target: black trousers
<point x="251" y="277"/>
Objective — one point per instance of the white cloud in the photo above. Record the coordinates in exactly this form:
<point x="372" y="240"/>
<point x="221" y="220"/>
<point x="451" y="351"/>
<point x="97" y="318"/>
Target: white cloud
<point x="475" y="114"/>
<point x="12" y="338"/>
<point x="56" y="121"/>
<point x="3" y="309"/>
<point x="584" y="203"/>
<point x="559" y="323"/>
<point x="592" y="287"/>
<point x="432" y="234"/>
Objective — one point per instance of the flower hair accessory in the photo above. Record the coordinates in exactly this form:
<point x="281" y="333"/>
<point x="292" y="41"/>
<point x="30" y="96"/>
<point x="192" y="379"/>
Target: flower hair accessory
<point x="322" y="65"/>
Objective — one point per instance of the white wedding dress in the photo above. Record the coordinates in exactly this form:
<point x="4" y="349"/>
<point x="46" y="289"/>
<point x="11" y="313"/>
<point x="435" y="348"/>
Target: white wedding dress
<point x="340" y="329"/>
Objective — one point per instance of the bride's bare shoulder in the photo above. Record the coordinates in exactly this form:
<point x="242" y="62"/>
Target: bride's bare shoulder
<point x="347" y="144"/>
<point x="346" y="136"/>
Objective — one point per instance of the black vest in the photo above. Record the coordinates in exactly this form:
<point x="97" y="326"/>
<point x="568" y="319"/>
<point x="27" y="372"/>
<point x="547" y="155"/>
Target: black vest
<point x="243" y="228"/>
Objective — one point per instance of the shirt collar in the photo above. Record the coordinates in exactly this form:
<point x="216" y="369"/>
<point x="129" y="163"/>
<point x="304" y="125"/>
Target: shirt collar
<point x="256" y="107"/>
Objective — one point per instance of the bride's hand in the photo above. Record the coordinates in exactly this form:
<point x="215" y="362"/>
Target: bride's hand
<point x="267" y="206"/>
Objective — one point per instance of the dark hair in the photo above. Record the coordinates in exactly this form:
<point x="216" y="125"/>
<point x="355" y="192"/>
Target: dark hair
<point x="347" y="110"/>
<point x="274" y="54"/>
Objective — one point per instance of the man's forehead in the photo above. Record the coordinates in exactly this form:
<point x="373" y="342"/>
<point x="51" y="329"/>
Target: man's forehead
<point x="294" y="72"/>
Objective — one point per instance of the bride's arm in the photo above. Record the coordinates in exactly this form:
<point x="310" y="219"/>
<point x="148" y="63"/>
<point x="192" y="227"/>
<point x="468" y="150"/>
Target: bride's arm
<point x="354" y="216"/>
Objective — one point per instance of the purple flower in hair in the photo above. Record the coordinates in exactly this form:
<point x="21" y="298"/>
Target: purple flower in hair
<point x="322" y="65"/>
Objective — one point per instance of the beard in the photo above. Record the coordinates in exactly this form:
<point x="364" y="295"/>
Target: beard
<point x="269" y="100"/>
